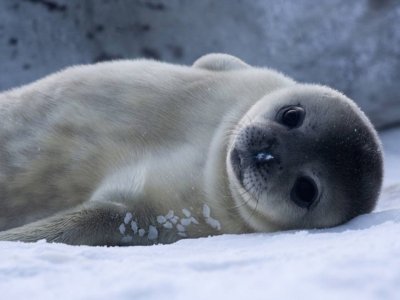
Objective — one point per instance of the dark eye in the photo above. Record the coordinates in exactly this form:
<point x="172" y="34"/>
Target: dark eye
<point x="292" y="116"/>
<point x="304" y="192"/>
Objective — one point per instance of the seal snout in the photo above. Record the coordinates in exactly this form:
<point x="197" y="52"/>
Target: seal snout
<point x="253" y="150"/>
<point x="244" y="159"/>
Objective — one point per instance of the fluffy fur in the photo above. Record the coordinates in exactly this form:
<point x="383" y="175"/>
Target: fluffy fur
<point x="137" y="152"/>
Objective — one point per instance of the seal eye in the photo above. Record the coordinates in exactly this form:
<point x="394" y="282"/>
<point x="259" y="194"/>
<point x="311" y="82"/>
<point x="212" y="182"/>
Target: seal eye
<point x="304" y="192"/>
<point x="292" y="116"/>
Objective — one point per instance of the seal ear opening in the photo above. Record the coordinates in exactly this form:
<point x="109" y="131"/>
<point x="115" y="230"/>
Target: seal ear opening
<point x="220" y="62"/>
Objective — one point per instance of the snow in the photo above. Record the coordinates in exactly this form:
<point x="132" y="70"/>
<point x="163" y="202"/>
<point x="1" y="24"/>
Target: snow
<point x="141" y="232"/>
<point x="209" y="220"/>
<point x="358" y="260"/>
<point x="128" y="217"/>
<point x="122" y="228"/>
<point x="153" y="233"/>
<point x="186" y="212"/>
<point x="134" y="227"/>
<point x="161" y="219"/>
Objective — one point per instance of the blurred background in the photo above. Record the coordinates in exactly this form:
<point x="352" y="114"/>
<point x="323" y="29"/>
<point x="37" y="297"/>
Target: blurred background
<point x="353" y="46"/>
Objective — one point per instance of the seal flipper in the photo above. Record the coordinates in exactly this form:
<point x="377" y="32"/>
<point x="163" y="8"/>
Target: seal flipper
<point x="96" y="223"/>
<point x="220" y="62"/>
<point x="92" y="224"/>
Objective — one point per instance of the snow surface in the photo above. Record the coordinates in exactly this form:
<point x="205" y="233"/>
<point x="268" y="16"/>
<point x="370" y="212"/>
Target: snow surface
<point x="359" y="260"/>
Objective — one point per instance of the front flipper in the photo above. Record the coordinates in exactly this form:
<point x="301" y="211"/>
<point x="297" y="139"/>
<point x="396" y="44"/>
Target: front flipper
<point x="95" y="223"/>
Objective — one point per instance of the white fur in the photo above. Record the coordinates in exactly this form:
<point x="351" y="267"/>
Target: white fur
<point x="157" y="135"/>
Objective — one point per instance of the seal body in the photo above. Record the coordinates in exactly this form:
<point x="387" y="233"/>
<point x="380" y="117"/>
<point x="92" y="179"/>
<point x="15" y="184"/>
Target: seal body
<point x="143" y="152"/>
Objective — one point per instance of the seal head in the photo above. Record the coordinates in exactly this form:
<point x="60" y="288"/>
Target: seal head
<point x="304" y="157"/>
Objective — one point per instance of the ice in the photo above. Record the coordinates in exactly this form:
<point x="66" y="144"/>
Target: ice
<point x="264" y="156"/>
<point x="186" y="221"/>
<point x="209" y="220"/>
<point x="168" y="225"/>
<point x="128" y="218"/>
<point x="206" y="211"/>
<point x="180" y="227"/>
<point x="127" y="239"/>
<point x="186" y="212"/>
<point x="213" y="223"/>
<point x="170" y="214"/>
<point x="161" y="219"/>
<point x="153" y="233"/>
<point x="122" y="228"/>
<point x="141" y="232"/>
<point x="134" y="227"/>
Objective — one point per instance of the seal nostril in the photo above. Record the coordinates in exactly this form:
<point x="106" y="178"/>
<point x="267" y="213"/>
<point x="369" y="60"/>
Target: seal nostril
<point x="304" y="192"/>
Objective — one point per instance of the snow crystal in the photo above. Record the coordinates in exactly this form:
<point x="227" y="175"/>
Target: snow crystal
<point x="153" y="233"/>
<point x="209" y="220"/>
<point x="206" y="211"/>
<point x="213" y="223"/>
<point x="264" y="156"/>
<point x="128" y="218"/>
<point x="168" y="225"/>
<point x="161" y="219"/>
<point x="170" y="214"/>
<point x="122" y="228"/>
<point x="193" y="220"/>
<point x="180" y="227"/>
<point x="134" y="227"/>
<point x="186" y="221"/>
<point x="127" y="239"/>
<point x="186" y="212"/>
<point x="182" y="234"/>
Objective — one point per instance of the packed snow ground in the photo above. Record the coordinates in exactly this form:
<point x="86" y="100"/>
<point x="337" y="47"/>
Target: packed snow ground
<point x="359" y="260"/>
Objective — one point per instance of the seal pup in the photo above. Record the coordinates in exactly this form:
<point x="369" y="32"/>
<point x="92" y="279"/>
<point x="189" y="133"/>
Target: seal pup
<point x="137" y="152"/>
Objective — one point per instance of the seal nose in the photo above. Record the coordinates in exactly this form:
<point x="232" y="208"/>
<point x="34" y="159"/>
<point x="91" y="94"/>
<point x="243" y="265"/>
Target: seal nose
<point x="242" y="160"/>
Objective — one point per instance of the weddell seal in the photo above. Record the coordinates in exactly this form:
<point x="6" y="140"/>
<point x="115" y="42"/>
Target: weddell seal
<point x="137" y="152"/>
